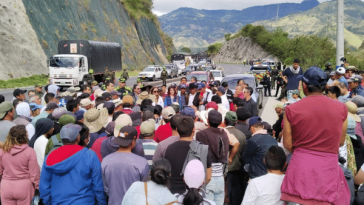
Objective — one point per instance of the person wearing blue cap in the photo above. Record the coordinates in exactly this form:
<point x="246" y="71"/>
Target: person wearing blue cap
<point x="35" y="108"/>
<point x="314" y="129"/>
<point x="256" y="148"/>
<point x="67" y="163"/>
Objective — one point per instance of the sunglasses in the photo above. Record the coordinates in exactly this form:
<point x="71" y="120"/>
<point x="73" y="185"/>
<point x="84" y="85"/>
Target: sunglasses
<point x="155" y="91"/>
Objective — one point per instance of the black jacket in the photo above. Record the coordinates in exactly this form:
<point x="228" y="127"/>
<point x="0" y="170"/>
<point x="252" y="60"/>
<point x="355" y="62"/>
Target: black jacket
<point x="277" y="126"/>
<point x="230" y="95"/>
<point x="251" y="105"/>
<point x="196" y="100"/>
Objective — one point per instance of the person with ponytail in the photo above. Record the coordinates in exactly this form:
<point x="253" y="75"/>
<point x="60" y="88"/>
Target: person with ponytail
<point x="194" y="177"/>
<point x="154" y="191"/>
<point x="19" y="170"/>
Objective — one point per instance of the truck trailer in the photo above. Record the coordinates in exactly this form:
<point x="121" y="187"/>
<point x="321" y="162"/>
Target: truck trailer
<point x="75" y="57"/>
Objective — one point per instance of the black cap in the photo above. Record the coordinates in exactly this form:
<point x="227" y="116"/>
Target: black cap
<point x="192" y="86"/>
<point x="106" y="95"/>
<point x="215" y="117"/>
<point x="126" y="136"/>
<point x="243" y="114"/>
<point x="17" y="92"/>
<point x="84" y="95"/>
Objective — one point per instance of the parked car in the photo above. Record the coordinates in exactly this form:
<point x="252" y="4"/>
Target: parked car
<point x="187" y="70"/>
<point x="249" y="79"/>
<point x="201" y="76"/>
<point x="171" y="70"/>
<point x="260" y="68"/>
<point x="152" y="72"/>
<point x="218" y="75"/>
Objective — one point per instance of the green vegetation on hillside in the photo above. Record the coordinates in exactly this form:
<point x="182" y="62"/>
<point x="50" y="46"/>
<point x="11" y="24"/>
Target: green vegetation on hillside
<point x="214" y="48"/>
<point x="186" y="50"/>
<point x="24" y="82"/>
<point x="311" y="50"/>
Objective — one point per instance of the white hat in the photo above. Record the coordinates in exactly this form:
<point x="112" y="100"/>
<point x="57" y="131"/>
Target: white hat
<point x="340" y="71"/>
<point x="85" y="102"/>
<point x="204" y="115"/>
<point x="98" y="93"/>
<point x="194" y="174"/>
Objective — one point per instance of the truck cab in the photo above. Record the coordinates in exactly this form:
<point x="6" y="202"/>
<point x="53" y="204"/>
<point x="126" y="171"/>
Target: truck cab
<point x="67" y="69"/>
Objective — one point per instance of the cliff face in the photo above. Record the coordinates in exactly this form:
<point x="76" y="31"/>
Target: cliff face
<point x="99" y="20"/>
<point x="238" y="49"/>
<point x="20" y="51"/>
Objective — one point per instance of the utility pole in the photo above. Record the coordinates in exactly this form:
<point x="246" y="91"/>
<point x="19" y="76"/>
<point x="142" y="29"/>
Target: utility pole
<point x="340" y="32"/>
<point x="277" y="14"/>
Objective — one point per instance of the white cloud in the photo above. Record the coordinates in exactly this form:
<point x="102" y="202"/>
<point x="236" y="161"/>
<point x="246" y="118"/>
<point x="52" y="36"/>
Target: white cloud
<point x="165" y="6"/>
<point x="158" y="13"/>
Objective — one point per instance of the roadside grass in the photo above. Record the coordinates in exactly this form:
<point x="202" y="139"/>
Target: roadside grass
<point x="131" y="73"/>
<point x="24" y="81"/>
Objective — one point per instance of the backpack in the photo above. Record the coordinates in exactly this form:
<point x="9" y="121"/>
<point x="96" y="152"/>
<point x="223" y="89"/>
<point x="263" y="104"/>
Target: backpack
<point x="197" y="151"/>
<point x="56" y="143"/>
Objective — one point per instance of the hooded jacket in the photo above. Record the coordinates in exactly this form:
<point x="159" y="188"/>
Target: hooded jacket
<point x="218" y="143"/>
<point x="53" y="89"/>
<point x="19" y="163"/>
<point x="72" y="175"/>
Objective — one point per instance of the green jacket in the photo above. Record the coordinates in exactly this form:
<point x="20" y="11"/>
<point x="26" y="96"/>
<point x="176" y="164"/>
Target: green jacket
<point x="50" y="144"/>
<point x="124" y="91"/>
<point x="164" y="74"/>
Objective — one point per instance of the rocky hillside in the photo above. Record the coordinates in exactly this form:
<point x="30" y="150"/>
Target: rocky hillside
<point x="199" y="28"/>
<point x="33" y="28"/>
<point x="238" y="49"/>
<point x="321" y="21"/>
<point x="20" y="51"/>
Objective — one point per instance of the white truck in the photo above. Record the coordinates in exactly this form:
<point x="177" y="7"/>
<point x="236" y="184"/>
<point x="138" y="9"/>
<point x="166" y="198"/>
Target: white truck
<point x="75" y="57"/>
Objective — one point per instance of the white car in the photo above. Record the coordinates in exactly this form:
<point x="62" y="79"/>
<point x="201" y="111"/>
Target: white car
<point x="152" y="72"/>
<point x="218" y="75"/>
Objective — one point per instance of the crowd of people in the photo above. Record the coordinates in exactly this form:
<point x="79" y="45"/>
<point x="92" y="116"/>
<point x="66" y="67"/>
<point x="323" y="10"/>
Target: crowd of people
<point x="192" y="144"/>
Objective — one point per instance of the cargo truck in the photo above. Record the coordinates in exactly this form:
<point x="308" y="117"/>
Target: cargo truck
<point x="75" y="57"/>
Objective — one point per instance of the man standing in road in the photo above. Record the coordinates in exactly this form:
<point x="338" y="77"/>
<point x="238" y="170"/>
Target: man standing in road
<point x="274" y="75"/>
<point x="19" y="94"/>
<point x="249" y="103"/>
<point x="164" y="76"/>
<point x="229" y="94"/>
<point x="224" y="101"/>
<point x="277" y="127"/>
<point x="290" y="77"/>
<point x="38" y="91"/>
<point x="340" y="77"/>
<point x="125" y="74"/>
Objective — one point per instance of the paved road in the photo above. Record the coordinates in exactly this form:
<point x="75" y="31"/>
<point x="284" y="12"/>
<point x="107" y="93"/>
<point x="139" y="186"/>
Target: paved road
<point x="228" y="69"/>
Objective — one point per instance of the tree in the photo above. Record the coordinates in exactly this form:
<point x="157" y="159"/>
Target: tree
<point x="186" y="50"/>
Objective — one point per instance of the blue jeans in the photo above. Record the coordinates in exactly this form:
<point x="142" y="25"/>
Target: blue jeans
<point x="215" y="190"/>
<point x="289" y="94"/>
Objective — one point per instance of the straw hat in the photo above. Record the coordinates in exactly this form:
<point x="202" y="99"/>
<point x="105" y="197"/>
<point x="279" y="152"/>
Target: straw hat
<point x="142" y="96"/>
<point x="95" y="119"/>
<point x="352" y="108"/>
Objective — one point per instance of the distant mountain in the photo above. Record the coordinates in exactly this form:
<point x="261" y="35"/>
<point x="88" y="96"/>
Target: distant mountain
<point x="198" y="28"/>
<point x="321" y="21"/>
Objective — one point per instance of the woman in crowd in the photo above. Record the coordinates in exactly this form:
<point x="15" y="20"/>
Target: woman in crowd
<point x="19" y="170"/>
<point x="155" y="191"/>
<point x="171" y="97"/>
<point x="158" y="99"/>
<point x="194" y="177"/>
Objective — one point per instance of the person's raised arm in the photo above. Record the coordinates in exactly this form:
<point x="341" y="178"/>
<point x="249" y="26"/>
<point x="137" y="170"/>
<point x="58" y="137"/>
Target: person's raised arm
<point x="287" y="133"/>
<point x="343" y="132"/>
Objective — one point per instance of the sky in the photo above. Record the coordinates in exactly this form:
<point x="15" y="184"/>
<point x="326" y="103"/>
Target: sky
<point x="165" y="6"/>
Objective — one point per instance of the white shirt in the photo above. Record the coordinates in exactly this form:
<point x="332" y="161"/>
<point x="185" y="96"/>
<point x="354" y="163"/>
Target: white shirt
<point x="225" y="102"/>
<point x="190" y="100"/>
<point x="264" y="190"/>
<point x="31" y="130"/>
<point x="39" y="148"/>
<point x="160" y="101"/>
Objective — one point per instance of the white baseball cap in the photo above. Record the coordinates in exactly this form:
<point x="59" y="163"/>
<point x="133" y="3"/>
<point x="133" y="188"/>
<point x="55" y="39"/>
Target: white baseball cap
<point x="340" y="70"/>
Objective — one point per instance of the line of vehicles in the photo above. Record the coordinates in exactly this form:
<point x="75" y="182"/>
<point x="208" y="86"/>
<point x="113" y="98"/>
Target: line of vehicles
<point x="76" y="57"/>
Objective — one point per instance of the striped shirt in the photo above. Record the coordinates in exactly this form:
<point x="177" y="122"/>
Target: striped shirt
<point x="149" y="146"/>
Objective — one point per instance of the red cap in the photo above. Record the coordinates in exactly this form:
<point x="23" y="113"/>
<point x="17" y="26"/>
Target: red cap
<point x="212" y="105"/>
